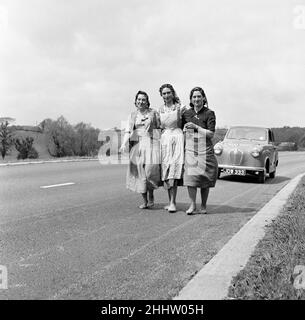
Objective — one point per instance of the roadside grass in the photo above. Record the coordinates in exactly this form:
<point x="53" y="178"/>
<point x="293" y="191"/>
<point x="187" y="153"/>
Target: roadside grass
<point x="269" y="273"/>
<point x="106" y="159"/>
<point x="39" y="160"/>
<point x="45" y="158"/>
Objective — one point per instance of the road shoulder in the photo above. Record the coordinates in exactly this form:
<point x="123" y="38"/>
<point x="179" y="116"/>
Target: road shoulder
<point x="212" y="282"/>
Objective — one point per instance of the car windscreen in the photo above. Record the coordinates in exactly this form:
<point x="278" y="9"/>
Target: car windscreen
<point x="259" y="134"/>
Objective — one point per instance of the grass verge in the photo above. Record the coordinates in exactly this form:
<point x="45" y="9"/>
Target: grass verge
<point x="270" y="272"/>
<point x="106" y="159"/>
<point x="9" y="160"/>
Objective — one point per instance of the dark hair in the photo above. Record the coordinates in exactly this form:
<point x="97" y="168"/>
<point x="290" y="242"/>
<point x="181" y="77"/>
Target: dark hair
<point x="171" y="88"/>
<point x="144" y="94"/>
<point x="205" y="100"/>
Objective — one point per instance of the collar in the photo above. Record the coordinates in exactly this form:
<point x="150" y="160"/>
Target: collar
<point x="166" y="108"/>
<point x="200" y="110"/>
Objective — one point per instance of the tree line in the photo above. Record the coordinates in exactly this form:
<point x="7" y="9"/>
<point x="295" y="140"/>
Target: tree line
<point x="62" y="139"/>
<point x="65" y="139"/>
<point x="290" y="134"/>
<point x="82" y="139"/>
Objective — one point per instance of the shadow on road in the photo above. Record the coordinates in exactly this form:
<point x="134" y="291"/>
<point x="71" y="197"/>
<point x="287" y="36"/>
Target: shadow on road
<point x="216" y="209"/>
<point x="278" y="179"/>
<point x="212" y="209"/>
<point x="252" y="179"/>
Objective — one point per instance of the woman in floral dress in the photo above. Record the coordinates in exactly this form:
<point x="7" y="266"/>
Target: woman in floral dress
<point x="143" y="138"/>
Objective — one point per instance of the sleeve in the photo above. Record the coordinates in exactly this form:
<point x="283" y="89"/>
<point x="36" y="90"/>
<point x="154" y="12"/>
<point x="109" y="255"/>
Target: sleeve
<point x="182" y="111"/>
<point x="158" y="120"/>
<point x="211" y="121"/>
<point x="182" y="121"/>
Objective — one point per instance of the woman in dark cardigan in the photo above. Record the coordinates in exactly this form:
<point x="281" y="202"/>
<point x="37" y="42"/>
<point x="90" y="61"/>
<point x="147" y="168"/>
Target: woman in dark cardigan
<point x="201" y="166"/>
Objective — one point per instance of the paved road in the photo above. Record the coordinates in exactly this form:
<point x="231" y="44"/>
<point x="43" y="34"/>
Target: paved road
<point x="88" y="240"/>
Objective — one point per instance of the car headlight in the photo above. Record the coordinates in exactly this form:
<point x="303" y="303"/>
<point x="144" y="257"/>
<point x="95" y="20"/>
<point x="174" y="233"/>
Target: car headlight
<point x="256" y="152"/>
<point x="218" y="149"/>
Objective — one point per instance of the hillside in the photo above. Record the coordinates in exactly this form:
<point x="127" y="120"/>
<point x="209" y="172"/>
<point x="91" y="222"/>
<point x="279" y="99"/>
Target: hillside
<point x="40" y="142"/>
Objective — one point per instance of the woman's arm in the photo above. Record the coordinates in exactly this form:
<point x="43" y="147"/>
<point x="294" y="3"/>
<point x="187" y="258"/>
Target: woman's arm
<point x="209" y="131"/>
<point x="205" y="132"/>
<point x="158" y="119"/>
<point x="126" y="137"/>
<point x="181" y="118"/>
<point x="125" y="142"/>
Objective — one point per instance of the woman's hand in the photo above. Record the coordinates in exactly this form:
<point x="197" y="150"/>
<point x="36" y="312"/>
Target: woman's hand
<point x="190" y="125"/>
<point x="123" y="148"/>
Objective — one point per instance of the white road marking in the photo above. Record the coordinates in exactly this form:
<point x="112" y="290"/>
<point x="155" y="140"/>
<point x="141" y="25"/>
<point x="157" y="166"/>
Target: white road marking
<point x="57" y="185"/>
<point x="26" y="265"/>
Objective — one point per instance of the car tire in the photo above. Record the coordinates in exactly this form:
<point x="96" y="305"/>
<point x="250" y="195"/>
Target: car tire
<point x="272" y="174"/>
<point x="261" y="177"/>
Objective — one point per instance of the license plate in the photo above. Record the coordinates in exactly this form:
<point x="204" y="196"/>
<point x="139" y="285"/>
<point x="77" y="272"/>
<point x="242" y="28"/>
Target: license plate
<point x="238" y="172"/>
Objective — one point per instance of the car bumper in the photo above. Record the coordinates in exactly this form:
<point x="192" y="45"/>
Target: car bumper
<point x="248" y="169"/>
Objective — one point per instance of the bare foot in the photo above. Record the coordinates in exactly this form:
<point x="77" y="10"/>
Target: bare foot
<point x="172" y="208"/>
<point x="191" y="210"/>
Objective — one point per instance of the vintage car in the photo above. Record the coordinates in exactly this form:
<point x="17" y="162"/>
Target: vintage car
<point x="247" y="150"/>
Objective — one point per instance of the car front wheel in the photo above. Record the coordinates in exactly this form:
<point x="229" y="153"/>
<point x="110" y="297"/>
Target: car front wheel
<point x="272" y="174"/>
<point x="261" y="177"/>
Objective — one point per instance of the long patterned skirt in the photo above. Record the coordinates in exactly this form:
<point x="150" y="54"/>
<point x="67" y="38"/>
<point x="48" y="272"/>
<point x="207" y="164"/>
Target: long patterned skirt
<point x="143" y="171"/>
<point x="201" y="165"/>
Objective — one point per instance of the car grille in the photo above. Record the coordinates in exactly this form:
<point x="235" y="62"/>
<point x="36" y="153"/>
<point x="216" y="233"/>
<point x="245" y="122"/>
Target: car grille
<point x="236" y="157"/>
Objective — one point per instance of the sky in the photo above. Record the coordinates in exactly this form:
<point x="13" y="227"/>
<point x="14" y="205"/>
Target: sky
<point x="86" y="60"/>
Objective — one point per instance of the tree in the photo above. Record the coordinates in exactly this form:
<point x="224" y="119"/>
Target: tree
<point x="86" y="142"/>
<point x="302" y="141"/>
<point x="61" y="137"/>
<point x="81" y="138"/>
<point x="45" y="124"/>
<point x="6" y="138"/>
<point x="25" y="148"/>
